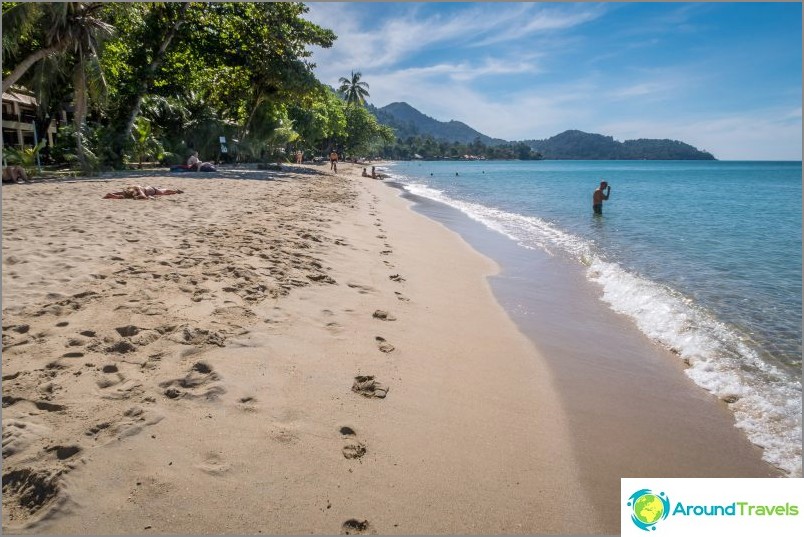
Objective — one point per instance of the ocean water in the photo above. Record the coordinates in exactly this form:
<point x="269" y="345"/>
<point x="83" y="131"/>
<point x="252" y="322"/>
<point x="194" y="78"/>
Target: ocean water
<point x="704" y="258"/>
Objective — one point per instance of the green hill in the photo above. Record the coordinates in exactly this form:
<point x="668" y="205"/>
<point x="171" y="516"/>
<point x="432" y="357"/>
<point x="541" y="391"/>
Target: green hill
<point x="408" y="122"/>
<point x="578" y="145"/>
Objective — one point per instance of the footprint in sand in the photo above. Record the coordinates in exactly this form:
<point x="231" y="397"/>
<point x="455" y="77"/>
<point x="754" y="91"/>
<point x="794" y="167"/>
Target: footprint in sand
<point x="368" y="386"/>
<point x="131" y="422"/>
<point x="115" y="386"/>
<point x="64" y="452"/>
<point x="362" y="289"/>
<point x="352" y="449"/>
<point x="18" y="435"/>
<point x="200" y="382"/>
<point x="213" y="464"/>
<point x="247" y="404"/>
<point x="354" y="526"/>
<point x="396" y="278"/>
<point x="383" y="345"/>
<point x="29" y="495"/>
<point x="383" y="316"/>
<point x="401" y="297"/>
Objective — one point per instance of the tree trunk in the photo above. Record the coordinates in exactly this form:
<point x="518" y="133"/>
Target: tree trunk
<point x="257" y="103"/>
<point x="148" y="75"/>
<point x="26" y="64"/>
<point x="80" y="113"/>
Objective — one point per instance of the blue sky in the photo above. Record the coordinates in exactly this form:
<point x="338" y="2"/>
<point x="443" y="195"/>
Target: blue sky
<point x="724" y="77"/>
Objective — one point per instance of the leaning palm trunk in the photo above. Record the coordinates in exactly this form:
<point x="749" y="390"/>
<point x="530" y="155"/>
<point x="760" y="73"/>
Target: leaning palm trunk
<point x="26" y="64"/>
<point x="147" y="77"/>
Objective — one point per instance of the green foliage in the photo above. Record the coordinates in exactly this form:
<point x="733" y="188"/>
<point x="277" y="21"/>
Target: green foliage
<point x="145" y="145"/>
<point x="194" y="71"/>
<point x="363" y="133"/>
<point x="574" y="144"/>
<point x="429" y="148"/>
<point x="407" y="121"/>
<point x="25" y="157"/>
<point x="318" y="118"/>
<point x="353" y="90"/>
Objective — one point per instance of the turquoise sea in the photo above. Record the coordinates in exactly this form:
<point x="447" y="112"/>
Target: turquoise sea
<point x="704" y="258"/>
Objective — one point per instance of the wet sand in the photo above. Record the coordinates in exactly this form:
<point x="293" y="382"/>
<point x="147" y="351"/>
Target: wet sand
<point x="631" y="410"/>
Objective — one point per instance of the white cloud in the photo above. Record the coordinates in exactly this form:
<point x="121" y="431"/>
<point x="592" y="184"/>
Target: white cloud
<point x="637" y="90"/>
<point x="463" y="71"/>
<point x="476" y="90"/>
<point x="516" y="116"/>
<point x="381" y="45"/>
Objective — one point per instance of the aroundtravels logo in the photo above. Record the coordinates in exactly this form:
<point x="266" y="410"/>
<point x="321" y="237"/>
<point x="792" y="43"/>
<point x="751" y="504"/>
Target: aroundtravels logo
<point x="648" y="508"/>
<point x="676" y="506"/>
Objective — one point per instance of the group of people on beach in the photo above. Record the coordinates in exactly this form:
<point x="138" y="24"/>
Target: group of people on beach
<point x="600" y="194"/>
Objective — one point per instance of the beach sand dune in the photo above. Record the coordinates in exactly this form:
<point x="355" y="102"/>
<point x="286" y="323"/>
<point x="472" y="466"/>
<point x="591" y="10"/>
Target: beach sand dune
<point x="269" y="352"/>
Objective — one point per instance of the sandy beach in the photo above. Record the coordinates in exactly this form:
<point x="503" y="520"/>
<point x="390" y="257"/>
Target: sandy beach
<point x="268" y="352"/>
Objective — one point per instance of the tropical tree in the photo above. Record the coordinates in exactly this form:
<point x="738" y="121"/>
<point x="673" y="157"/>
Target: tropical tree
<point x="173" y="21"/>
<point x="52" y="28"/>
<point x="353" y="90"/>
<point x="363" y="132"/>
<point x="318" y="118"/>
<point x="25" y="157"/>
<point x="281" y="136"/>
<point x="73" y="33"/>
<point x="145" y="144"/>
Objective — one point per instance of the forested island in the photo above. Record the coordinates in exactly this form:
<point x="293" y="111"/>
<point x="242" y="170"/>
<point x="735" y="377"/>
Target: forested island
<point x="420" y="136"/>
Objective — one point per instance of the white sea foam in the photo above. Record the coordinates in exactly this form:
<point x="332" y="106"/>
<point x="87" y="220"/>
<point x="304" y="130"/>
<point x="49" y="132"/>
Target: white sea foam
<point x="766" y="400"/>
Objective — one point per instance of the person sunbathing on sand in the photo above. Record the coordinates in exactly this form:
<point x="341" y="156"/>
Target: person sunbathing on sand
<point x="14" y="174"/>
<point x="137" y="192"/>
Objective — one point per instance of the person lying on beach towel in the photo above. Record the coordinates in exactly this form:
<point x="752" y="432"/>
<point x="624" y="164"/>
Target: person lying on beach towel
<point x="205" y="167"/>
<point x="194" y="164"/>
<point x="14" y="174"/>
<point x="137" y="192"/>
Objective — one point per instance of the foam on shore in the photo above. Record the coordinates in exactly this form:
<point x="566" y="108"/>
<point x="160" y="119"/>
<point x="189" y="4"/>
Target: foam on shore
<point x="765" y="399"/>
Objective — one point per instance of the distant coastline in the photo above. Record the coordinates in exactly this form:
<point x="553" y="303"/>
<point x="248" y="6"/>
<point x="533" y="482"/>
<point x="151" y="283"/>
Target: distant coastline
<point x="422" y="137"/>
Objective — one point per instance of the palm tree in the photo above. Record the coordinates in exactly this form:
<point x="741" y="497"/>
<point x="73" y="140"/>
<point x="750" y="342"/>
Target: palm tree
<point x="72" y="32"/>
<point x="145" y="144"/>
<point x="353" y="90"/>
<point x="66" y="25"/>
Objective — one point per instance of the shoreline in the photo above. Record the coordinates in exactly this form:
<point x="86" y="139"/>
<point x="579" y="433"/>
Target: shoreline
<point x="627" y="399"/>
<point x="187" y="364"/>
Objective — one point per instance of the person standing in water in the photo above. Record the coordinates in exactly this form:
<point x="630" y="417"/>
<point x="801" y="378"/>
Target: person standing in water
<point x="601" y="194"/>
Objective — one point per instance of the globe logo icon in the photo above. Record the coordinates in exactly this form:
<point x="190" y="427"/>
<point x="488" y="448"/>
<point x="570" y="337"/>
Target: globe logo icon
<point x="648" y="508"/>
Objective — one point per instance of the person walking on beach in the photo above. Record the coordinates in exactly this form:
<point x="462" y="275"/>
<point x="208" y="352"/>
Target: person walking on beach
<point x="333" y="161"/>
<point x="599" y="196"/>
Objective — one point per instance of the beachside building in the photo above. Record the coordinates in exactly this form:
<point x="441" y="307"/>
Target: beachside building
<point x="19" y="114"/>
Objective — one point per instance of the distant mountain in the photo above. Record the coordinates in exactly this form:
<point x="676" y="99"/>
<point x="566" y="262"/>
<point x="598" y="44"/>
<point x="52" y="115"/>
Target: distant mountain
<point x="569" y="145"/>
<point x="578" y="145"/>
<point x="407" y="121"/>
